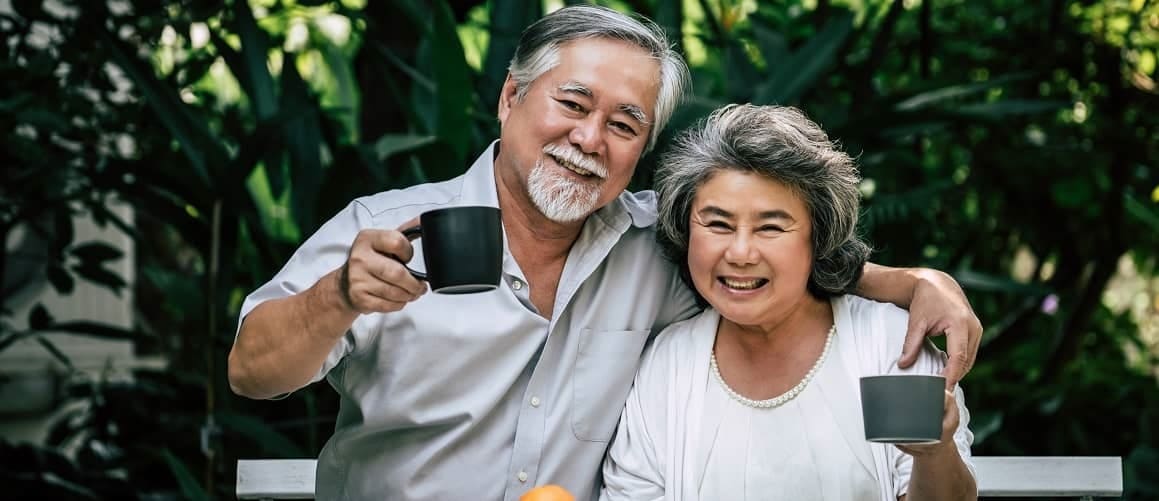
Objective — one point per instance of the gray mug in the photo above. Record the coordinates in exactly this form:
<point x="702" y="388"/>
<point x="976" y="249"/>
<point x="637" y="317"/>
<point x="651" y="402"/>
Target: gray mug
<point x="903" y="408"/>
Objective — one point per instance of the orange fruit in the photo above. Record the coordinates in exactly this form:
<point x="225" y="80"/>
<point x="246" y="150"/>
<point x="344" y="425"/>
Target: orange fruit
<point x="547" y="493"/>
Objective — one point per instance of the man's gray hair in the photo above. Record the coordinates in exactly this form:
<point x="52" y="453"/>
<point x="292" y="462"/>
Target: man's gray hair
<point x="538" y="52"/>
<point x="782" y="144"/>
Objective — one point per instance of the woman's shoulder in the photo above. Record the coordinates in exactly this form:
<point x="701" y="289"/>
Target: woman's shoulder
<point x="883" y="326"/>
<point x="681" y="339"/>
<point x="886" y="318"/>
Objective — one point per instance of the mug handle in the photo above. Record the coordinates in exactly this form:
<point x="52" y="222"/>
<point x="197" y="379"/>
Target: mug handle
<point x="411" y="234"/>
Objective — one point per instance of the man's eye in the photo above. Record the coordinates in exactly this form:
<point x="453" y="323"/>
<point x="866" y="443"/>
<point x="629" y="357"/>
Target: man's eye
<point x="625" y="128"/>
<point x="571" y="105"/>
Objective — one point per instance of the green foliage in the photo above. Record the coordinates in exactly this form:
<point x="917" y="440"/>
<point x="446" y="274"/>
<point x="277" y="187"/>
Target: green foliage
<point x="985" y="131"/>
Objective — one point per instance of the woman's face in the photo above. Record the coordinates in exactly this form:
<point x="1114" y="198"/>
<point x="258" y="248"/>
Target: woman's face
<point x="750" y="249"/>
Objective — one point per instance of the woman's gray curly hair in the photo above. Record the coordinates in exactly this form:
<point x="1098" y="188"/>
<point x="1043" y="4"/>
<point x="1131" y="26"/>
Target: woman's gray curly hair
<point x="782" y="144"/>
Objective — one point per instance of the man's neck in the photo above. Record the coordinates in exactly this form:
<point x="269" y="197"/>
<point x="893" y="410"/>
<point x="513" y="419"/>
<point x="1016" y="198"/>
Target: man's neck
<point x="531" y="235"/>
<point x="539" y="245"/>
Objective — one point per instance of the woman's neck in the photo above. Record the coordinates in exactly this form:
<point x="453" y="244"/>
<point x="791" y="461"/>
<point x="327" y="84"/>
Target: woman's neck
<point x="811" y="317"/>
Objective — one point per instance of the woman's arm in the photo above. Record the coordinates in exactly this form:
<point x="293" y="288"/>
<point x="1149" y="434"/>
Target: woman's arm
<point x="936" y="305"/>
<point x="632" y="470"/>
<point x="939" y="471"/>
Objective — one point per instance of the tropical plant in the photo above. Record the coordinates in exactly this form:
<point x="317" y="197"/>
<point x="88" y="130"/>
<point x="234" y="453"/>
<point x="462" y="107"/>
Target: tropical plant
<point x="1009" y="144"/>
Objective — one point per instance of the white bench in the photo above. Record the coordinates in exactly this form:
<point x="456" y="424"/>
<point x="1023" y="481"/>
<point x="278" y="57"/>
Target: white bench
<point x="1080" y="477"/>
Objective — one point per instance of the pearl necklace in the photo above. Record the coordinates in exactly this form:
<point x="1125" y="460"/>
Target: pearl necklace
<point x="781" y="399"/>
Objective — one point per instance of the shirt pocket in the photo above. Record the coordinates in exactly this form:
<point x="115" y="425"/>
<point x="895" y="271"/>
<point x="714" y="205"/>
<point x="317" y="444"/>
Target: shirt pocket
<point x="605" y="366"/>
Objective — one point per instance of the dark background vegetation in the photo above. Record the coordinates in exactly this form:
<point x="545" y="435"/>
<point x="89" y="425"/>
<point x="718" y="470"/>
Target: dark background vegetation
<point x="1012" y="143"/>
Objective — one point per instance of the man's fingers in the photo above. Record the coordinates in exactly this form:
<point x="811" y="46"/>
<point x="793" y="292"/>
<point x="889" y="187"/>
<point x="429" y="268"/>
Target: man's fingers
<point x="915" y="335"/>
<point x="381" y="304"/>
<point x="391" y="243"/>
<point x="958" y="363"/>
<point x="412" y="223"/>
<point x="393" y="274"/>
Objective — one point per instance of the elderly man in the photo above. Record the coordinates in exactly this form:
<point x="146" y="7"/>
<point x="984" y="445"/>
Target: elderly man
<point x="484" y="396"/>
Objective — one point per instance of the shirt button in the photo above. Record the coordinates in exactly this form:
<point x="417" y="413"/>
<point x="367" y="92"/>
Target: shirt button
<point x="522" y="476"/>
<point x="517" y="284"/>
<point x="535" y="401"/>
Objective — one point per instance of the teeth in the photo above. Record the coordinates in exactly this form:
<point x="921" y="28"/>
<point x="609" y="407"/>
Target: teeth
<point x="569" y="166"/>
<point x="743" y="284"/>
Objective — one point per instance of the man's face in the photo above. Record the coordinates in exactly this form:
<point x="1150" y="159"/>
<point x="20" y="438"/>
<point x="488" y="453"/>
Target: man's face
<point x="571" y="145"/>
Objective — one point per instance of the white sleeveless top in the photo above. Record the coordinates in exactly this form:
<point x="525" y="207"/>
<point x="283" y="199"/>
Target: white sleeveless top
<point x="795" y="451"/>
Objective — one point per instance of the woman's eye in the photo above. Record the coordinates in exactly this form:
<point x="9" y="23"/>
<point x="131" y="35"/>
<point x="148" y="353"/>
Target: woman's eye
<point x="718" y="226"/>
<point x="770" y="229"/>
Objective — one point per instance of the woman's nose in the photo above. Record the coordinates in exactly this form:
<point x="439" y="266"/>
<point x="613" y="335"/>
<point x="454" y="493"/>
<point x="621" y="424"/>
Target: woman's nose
<point x="740" y="250"/>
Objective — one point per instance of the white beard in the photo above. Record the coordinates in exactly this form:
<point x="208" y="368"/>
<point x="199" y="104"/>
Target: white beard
<point x="560" y="199"/>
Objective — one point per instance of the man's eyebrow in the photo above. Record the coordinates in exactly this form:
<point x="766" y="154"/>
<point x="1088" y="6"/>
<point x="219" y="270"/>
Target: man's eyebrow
<point x="577" y="88"/>
<point x="636" y="113"/>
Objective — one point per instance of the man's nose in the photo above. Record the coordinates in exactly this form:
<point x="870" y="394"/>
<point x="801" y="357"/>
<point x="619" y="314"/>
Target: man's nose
<point x="588" y="135"/>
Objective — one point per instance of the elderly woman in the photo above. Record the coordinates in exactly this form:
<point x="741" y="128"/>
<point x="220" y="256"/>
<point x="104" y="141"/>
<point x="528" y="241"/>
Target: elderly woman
<point x="757" y="397"/>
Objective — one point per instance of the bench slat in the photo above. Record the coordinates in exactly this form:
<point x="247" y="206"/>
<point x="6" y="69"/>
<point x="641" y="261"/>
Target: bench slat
<point x="1075" y="476"/>
<point x="998" y="476"/>
<point x="275" y="478"/>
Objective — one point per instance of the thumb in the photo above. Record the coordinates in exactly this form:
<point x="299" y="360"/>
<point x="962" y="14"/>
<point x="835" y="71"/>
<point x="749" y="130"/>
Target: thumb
<point x="915" y="335"/>
<point x="413" y="223"/>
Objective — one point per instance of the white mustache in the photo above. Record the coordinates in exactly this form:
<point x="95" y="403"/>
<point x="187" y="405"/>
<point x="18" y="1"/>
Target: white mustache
<point x="577" y="158"/>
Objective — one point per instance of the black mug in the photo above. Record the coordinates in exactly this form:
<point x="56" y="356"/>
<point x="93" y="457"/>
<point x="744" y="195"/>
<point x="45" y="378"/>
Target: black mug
<point x="903" y="408"/>
<point x="462" y="248"/>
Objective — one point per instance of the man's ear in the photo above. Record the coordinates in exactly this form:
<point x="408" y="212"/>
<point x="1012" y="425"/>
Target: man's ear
<point x="507" y="98"/>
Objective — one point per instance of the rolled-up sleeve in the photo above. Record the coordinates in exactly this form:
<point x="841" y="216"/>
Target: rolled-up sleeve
<point x="323" y="252"/>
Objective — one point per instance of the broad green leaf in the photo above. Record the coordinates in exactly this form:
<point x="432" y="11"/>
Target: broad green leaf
<point x="979" y="281"/>
<point x="670" y="17"/>
<point x="99" y="330"/>
<point x="740" y="74"/>
<point x="304" y="141"/>
<point x="43" y="119"/>
<point x="1072" y="192"/>
<point x="96" y="252"/>
<point x="255" y="48"/>
<point x="10" y="339"/>
<point x="393" y="144"/>
<point x="65" y="229"/>
<point x="951" y="92"/>
<point x="508" y="19"/>
<point x="190" y="489"/>
<point x="273" y="442"/>
<point x="345" y="100"/>
<point x="39" y="319"/>
<point x="1009" y="107"/>
<point x="51" y="348"/>
<point x="16" y="102"/>
<point x="790" y="78"/>
<point x="453" y="81"/>
<point x="60" y="279"/>
<point x="770" y="42"/>
<point x="100" y="276"/>
<point x="1148" y="215"/>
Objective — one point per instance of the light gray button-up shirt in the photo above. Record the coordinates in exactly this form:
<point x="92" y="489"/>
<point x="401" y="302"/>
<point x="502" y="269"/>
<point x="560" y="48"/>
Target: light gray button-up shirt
<point x="478" y="397"/>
